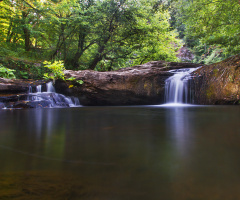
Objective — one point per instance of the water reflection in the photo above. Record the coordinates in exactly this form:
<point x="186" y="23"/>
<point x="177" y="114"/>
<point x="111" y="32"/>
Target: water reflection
<point x="180" y="127"/>
<point x="122" y="152"/>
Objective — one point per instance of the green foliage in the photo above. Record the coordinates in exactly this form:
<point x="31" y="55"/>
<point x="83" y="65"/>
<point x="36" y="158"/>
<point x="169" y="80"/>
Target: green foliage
<point x="6" y="73"/>
<point x="56" y="70"/>
<point x="74" y="80"/>
<point x="80" y="82"/>
<point x="210" y="25"/>
<point x="71" y="79"/>
<point x="107" y="35"/>
<point x="213" y="57"/>
<point x="23" y="75"/>
<point x="24" y="69"/>
<point x="208" y="54"/>
<point x="93" y="34"/>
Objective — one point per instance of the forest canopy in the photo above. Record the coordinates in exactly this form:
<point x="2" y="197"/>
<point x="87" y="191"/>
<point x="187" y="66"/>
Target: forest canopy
<point x="111" y="34"/>
<point x="88" y="34"/>
<point x="210" y="27"/>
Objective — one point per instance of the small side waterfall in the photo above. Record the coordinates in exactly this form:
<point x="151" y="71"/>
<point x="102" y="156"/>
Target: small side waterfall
<point x="50" y="87"/>
<point x="50" y="98"/>
<point x="39" y="88"/>
<point x="40" y="96"/>
<point x="176" y="86"/>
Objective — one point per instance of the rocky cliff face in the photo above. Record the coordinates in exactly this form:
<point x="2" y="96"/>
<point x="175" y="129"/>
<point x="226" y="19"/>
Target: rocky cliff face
<point x="218" y="83"/>
<point x="139" y="85"/>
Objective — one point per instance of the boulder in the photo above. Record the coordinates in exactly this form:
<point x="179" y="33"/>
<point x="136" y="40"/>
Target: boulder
<point x="218" y="83"/>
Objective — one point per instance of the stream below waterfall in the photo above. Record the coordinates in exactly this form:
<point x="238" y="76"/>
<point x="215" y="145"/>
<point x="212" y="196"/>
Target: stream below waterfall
<point x="140" y="152"/>
<point x="174" y="151"/>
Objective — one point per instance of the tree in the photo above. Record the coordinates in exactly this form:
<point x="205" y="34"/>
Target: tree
<point x="128" y="30"/>
<point x="90" y="34"/>
<point x="215" y="23"/>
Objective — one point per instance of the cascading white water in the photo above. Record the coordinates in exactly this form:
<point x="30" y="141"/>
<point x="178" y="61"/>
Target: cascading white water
<point x="39" y="88"/>
<point x="30" y="89"/>
<point x="176" y="86"/>
<point x="50" y="98"/>
<point x="50" y="87"/>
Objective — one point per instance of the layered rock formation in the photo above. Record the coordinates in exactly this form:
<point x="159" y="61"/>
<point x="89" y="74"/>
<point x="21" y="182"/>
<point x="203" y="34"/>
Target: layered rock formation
<point x="139" y="85"/>
<point x="218" y="83"/>
<point x="16" y="86"/>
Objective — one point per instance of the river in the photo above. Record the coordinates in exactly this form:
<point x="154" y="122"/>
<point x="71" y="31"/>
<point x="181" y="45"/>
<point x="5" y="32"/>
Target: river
<point x="115" y="153"/>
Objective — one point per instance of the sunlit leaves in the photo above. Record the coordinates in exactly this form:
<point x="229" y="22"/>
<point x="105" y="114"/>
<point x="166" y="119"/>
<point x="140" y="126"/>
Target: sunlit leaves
<point x="91" y="33"/>
<point x="214" y="22"/>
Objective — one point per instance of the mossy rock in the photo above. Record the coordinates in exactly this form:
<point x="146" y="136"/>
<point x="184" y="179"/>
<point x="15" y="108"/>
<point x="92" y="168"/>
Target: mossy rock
<point x="218" y="83"/>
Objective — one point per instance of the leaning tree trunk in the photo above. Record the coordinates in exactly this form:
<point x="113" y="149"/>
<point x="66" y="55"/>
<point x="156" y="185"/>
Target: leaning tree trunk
<point x="99" y="55"/>
<point x="80" y="50"/>
<point x="61" y="41"/>
<point x="97" y="58"/>
<point x="94" y="63"/>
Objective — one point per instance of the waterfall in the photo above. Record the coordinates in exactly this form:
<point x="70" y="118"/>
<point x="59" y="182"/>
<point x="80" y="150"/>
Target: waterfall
<point x="176" y="86"/>
<point x="50" y="98"/>
<point x="30" y="89"/>
<point x="50" y="87"/>
<point x="38" y="89"/>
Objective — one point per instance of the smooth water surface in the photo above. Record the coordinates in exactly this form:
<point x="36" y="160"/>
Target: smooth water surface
<point x="116" y="153"/>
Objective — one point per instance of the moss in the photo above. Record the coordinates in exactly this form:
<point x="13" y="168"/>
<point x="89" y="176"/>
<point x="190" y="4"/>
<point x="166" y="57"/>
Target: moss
<point x="215" y="72"/>
<point x="219" y="82"/>
<point x="230" y="78"/>
<point x="147" y="85"/>
<point x="210" y="92"/>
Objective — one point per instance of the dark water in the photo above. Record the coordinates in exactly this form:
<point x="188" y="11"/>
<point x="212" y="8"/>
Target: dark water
<point x="115" y="153"/>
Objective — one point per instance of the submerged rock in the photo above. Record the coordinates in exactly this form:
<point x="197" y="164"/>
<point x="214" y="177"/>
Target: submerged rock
<point x="218" y="83"/>
<point x="139" y="85"/>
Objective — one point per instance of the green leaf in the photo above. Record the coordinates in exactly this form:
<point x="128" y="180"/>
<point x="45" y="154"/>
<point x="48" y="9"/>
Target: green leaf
<point x="80" y="82"/>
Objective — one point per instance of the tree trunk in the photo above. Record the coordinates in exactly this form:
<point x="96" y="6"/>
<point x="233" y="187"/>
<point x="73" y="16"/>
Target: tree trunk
<point x="100" y="54"/>
<point x="27" y="39"/>
<point x="95" y="62"/>
<point x="9" y="33"/>
<point x="61" y="41"/>
<point x="97" y="58"/>
<point x="80" y="50"/>
<point x="26" y="32"/>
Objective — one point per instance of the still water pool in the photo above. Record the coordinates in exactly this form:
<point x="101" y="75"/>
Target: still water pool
<point x="121" y="153"/>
